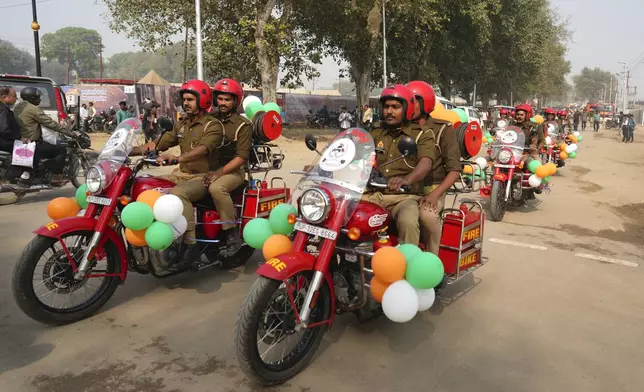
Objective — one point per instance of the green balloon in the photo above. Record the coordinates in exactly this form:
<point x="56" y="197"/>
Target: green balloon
<point x="479" y="173"/>
<point x="409" y="250"/>
<point x="253" y="108"/>
<point x="256" y="232"/>
<point x="572" y="155"/>
<point x="81" y="196"/>
<point x="488" y="135"/>
<point x="533" y="120"/>
<point x="490" y="140"/>
<point x="461" y="115"/>
<point x="272" y="106"/>
<point x="159" y="235"/>
<point x="425" y="271"/>
<point x="533" y="165"/>
<point x="137" y="216"/>
<point x="580" y="138"/>
<point x="545" y="180"/>
<point x="279" y="219"/>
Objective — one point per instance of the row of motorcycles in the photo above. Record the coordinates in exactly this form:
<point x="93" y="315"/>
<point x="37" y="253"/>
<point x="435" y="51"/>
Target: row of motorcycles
<point x="319" y="121"/>
<point x="296" y="296"/>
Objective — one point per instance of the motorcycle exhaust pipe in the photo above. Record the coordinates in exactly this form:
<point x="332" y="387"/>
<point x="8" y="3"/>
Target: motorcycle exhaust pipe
<point x="6" y="188"/>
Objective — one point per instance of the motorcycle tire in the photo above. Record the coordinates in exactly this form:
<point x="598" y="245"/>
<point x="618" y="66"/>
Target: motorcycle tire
<point x="11" y="198"/>
<point x="498" y="204"/>
<point x="89" y="161"/>
<point x="250" y="317"/>
<point x="25" y="296"/>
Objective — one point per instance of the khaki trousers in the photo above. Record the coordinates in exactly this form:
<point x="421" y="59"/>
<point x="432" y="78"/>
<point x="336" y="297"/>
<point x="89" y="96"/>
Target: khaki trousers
<point x="220" y="191"/>
<point x="404" y="209"/>
<point x="431" y="222"/>
<point x="189" y="189"/>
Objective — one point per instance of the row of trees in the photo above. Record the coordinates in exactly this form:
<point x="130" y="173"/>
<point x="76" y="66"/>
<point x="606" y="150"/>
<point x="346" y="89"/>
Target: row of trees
<point x="595" y="85"/>
<point x="503" y="46"/>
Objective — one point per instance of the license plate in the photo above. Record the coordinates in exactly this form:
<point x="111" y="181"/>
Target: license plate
<point x="314" y="230"/>
<point x="104" y="201"/>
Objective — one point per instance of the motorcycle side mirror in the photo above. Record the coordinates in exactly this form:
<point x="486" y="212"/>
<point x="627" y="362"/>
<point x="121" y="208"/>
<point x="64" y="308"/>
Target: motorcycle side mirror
<point x="407" y="146"/>
<point x="310" y="142"/>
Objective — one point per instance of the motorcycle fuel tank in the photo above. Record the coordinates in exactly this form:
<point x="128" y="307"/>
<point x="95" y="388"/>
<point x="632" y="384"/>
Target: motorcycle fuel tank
<point x="369" y="218"/>
<point x="144" y="183"/>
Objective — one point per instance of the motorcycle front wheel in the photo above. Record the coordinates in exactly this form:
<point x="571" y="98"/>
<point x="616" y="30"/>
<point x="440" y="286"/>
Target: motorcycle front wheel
<point x="267" y="320"/>
<point x="498" y="204"/>
<point x="58" y="298"/>
<point x="80" y="166"/>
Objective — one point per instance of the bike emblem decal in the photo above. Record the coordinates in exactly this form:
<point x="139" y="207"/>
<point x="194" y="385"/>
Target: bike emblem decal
<point x="377" y="220"/>
<point x="381" y="144"/>
<point x="509" y="137"/>
<point x="338" y="155"/>
<point x="51" y="226"/>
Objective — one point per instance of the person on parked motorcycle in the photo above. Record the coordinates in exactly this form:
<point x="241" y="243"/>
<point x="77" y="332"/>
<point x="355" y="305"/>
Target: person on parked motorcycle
<point x="230" y="161"/>
<point x="31" y="119"/>
<point x="9" y="127"/>
<point x="198" y="135"/>
<point x="446" y="169"/>
<point x="397" y="111"/>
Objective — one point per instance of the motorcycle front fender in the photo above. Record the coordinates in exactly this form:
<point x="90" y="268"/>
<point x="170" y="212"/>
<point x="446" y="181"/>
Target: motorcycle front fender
<point x="59" y="228"/>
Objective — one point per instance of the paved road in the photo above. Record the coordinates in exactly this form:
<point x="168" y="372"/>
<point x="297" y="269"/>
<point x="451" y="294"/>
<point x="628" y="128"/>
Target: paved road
<point x="543" y="315"/>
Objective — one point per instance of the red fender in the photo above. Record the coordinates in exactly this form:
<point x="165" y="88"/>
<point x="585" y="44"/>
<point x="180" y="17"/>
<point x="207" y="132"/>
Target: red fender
<point x="286" y="265"/>
<point x="63" y="226"/>
<point x="500" y="176"/>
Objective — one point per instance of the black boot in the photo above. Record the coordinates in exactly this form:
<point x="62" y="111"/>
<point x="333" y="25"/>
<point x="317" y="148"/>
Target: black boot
<point x="233" y="242"/>
<point x="189" y="255"/>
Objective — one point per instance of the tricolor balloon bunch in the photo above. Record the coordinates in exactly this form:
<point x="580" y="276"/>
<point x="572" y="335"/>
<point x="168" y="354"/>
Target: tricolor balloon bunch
<point x="271" y="235"/>
<point x="570" y="150"/>
<point x="488" y="138"/>
<point x="253" y="104"/>
<point x="65" y="207"/>
<point x="541" y="173"/>
<point x="154" y="220"/>
<point x="404" y="280"/>
<point x="455" y="116"/>
<point x="479" y="169"/>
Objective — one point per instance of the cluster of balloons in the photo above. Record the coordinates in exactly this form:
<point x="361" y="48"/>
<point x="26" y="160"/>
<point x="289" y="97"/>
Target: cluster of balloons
<point x="154" y="220"/>
<point x="455" y="116"/>
<point x="540" y="173"/>
<point x="488" y="138"/>
<point x="271" y="235"/>
<point x="477" y="170"/>
<point x="253" y="104"/>
<point x="537" y="119"/>
<point x="65" y="207"/>
<point x="404" y="280"/>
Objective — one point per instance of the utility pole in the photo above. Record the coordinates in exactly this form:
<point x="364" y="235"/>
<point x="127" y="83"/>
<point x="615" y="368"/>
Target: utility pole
<point x="610" y="89"/>
<point x="68" y="63"/>
<point x="100" y="57"/>
<point x="474" y="97"/>
<point x="624" y="84"/>
<point x="35" y="27"/>
<point x="199" y="51"/>
<point x="384" y="48"/>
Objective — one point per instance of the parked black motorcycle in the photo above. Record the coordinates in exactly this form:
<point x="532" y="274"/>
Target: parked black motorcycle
<point x="77" y="162"/>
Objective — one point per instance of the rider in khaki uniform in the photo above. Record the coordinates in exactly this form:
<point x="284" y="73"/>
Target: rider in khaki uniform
<point x="534" y="138"/>
<point x="446" y="168"/>
<point x="198" y="135"/>
<point x="397" y="104"/>
<point x="230" y="160"/>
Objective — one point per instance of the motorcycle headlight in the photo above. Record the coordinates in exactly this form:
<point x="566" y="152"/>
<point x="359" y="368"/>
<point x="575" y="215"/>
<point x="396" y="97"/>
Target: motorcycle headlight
<point x="314" y="205"/>
<point x="95" y="179"/>
<point x="505" y="156"/>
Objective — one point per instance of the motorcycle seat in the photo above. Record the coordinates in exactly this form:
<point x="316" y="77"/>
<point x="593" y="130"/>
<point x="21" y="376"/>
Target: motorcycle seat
<point x="236" y="195"/>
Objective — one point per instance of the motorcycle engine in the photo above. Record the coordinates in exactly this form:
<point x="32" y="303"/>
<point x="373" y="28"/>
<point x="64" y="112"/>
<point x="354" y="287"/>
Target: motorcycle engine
<point x="517" y="192"/>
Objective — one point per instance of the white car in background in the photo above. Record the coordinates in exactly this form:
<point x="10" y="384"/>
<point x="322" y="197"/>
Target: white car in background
<point x="445" y="102"/>
<point x="472" y="114"/>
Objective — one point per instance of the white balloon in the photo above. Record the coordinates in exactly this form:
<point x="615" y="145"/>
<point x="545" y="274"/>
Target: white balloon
<point x="573" y="147"/>
<point x="400" y="302"/>
<point x="548" y="140"/>
<point x="569" y="148"/>
<point x="534" y="181"/>
<point x="168" y="208"/>
<point x="481" y="162"/>
<point x="576" y="133"/>
<point x="250" y="99"/>
<point x="179" y="226"/>
<point x="426" y="299"/>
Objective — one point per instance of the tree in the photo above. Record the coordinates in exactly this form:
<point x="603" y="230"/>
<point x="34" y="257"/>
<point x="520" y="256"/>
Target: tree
<point x="168" y="63"/>
<point x="84" y="47"/>
<point x="589" y="84"/>
<point x="249" y="40"/>
<point x="14" y="60"/>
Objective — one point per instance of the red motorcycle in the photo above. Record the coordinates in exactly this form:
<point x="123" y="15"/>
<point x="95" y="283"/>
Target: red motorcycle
<point x="83" y="259"/>
<point x="551" y="150"/>
<point x="297" y="294"/>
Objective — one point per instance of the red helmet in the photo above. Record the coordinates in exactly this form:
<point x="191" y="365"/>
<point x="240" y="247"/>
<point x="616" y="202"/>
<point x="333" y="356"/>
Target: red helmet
<point x="550" y="111"/>
<point x="526" y="108"/>
<point x="562" y="113"/>
<point x="424" y="92"/>
<point x="199" y="89"/>
<point x="232" y="87"/>
<point x="503" y="111"/>
<point x="402" y="94"/>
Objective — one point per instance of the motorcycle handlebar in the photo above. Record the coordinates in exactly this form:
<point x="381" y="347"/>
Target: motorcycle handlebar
<point x="405" y="188"/>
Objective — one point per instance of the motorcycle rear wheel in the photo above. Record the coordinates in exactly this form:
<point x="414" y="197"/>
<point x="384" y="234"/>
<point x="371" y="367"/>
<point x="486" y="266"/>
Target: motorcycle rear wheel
<point x="253" y="319"/>
<point x="498" y="204"/>
<point x="23" y="286"/>
<point x="11" y="198"/>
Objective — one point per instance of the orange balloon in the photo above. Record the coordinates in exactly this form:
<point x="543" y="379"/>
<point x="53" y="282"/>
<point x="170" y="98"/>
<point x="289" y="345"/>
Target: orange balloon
<point x="563" y="155"/>
<point x="276" y="245"/>
<point x="563" y="146"/>
<point x="572" y="138"/>
<point x="452" y="117"/>
<point x="388" y="264"/>
<point x="542" y="171"/>
<point x="149" y="197"/>
<point x="62" y="207"/>
<point x="135" y="237"/>
<point x="378" y="289"/>
<point x="467" y="169"/>
<point x="438" y="108"/>
<point x="552" y="168"/>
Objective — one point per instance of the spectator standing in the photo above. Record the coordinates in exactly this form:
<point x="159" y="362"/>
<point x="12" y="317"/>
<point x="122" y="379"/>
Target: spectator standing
<point x="596" y="120"/>
<point x="584" y="120"/>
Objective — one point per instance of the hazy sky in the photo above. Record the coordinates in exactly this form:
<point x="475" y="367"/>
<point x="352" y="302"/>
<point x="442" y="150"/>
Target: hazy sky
<point x="604" y="32"/>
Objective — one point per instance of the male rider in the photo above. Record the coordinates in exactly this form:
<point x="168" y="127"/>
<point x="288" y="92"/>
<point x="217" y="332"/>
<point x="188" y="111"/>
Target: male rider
<point x="534" y="139"/>
<point x="446" y="168"/>
<point x="230" y="161"/>
<point x="9" y="127"/>
<point x="197" y="135"/>
<point x="397" y="111"/>
<point x="31" y="119"/>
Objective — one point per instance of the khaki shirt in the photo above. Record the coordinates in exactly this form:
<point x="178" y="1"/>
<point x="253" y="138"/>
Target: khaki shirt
<point x="237" y="141"/>
<point x="387" y="139"/>
<point x="533" y="133"/>
<point x="204" y="131"/>
<point x="31" y="118"/>
<point x="449" y="153"/>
